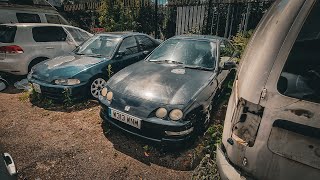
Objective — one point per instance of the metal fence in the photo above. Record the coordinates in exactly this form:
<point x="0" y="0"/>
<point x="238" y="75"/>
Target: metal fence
<point x="166" y="18"/>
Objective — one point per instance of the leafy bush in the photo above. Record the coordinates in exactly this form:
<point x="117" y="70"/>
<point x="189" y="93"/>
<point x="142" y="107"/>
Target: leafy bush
<point x="240" y="40"/>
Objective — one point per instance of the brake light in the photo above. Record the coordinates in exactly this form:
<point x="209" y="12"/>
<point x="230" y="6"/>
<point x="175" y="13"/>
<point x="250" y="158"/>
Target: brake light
<point x="14" y="49"/>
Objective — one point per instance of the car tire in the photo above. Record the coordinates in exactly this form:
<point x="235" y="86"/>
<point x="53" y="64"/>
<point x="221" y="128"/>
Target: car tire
<point x="95" y="86"/>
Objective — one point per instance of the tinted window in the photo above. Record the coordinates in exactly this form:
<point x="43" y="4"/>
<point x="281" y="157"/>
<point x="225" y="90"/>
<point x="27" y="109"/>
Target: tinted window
<point x="129" y="46"/>
<point x="188" y="52"/>
<point x="7" y="34"/>
<point x="145" y="42"/>
<point x="300" y="77"/>
<point x="53" y="19"/>
<point x="48" y="34"/>
<point x="28" y="18"/>
<point x="99" y="45"/>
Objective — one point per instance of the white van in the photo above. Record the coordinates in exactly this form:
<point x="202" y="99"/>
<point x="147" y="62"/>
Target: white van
<point x="272" y="125"/>
<point x="11" y="13"/>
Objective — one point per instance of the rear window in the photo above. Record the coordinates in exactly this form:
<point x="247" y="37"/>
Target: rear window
<point x="49" y="34"/>
<point x="7" y="34"/>
<point x="28" y="18"/>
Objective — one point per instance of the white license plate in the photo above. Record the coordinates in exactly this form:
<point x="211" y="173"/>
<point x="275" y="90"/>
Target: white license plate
<point x="36" y="87"/>
<point x="126" y="118"/>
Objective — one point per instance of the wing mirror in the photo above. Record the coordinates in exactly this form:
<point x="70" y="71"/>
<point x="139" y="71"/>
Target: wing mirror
<point x="120" y="54"/>
<point x="229" y="65"/>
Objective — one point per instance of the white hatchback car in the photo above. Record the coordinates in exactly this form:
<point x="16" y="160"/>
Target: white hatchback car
<point x="23" y="45"/>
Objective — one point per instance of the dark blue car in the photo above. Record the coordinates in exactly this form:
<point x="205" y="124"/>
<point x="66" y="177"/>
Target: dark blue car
<point x="85" y="72"/>
<point x="168" y="97"/>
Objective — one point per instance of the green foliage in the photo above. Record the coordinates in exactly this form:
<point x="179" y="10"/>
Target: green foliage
<point x="67" y="101"/>
<point x="240" y="40"/>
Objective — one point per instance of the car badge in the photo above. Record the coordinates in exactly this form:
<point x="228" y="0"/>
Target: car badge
<point x="127" y="108"/>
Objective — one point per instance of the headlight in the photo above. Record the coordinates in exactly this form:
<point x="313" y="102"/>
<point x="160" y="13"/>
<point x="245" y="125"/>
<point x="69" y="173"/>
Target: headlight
<point x="109" y="96"/>
<point x="176" y="114"/>
<point x="67" y="81"/>
<point x="104" y="92"/>
<point x="161" y="113"/>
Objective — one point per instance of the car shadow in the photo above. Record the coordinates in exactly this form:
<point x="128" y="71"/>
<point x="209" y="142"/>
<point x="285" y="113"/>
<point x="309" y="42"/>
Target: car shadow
<point x="62" y="107"/>
<point x="11" y="90"/>
<point x="183" y="158"/>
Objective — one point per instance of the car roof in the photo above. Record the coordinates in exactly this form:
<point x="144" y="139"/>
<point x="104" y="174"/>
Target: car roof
<point x="200" y="37"/>
<point x="121" y="34"/>
<point x="35" y="24"/>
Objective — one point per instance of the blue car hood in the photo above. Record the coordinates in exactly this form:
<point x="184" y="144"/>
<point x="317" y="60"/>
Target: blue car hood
<point x="63" y="67"/>
<point x="161" y="83"/>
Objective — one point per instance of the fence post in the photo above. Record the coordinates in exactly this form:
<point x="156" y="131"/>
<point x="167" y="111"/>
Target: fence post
<point x="227" y="22"/>
<point x="156" y="19"/>
<point x="247" y="17"/>
<point x="208" y="17"/>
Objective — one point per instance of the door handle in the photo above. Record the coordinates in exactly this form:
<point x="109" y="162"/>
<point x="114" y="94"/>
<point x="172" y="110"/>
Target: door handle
<point x="49" y="47"/>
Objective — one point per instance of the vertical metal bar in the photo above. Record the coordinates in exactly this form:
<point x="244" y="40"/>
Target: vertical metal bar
<point x="208" y="15"/>
<point x="156" y="34"/>
<point x="247" y="17"/>
<point x="227" y="21"/>
<point x="231" y="25"/>
<point x="218" y="21"/>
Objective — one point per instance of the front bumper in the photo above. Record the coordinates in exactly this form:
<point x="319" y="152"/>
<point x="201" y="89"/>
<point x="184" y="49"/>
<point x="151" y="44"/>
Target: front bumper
<point x="60" y="92"/>
<point x="226" y="170"/>
<point x="152" y="131"/>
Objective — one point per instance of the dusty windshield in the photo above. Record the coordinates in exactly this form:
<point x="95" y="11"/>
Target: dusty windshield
<point x="191" y="53"/>
<point x="99" y="45"/>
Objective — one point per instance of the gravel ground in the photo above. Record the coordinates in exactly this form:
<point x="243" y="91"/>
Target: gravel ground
<point x="72" y="144"/>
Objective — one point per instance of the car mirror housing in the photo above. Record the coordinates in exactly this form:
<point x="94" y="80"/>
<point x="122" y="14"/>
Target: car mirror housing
<point x="120" y="54"/>
<point x="228" y="65"/>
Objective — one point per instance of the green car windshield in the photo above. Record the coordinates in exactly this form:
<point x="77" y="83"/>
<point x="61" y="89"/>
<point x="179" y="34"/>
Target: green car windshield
<point x="101" y="45"/>
<point x="188" y="52"/>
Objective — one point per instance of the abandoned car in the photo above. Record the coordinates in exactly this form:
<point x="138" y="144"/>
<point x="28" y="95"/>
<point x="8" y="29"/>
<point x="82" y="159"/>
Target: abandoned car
<point x="272" y="127"/>
<point x="84" y="72"/>
<point x="167" y="98"/>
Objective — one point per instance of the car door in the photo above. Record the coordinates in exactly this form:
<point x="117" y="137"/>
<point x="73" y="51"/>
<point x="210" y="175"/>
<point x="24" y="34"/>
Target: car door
<point x="52" y="40"/>
<point x="146" y="45"/>
<point x="127" y="54"/>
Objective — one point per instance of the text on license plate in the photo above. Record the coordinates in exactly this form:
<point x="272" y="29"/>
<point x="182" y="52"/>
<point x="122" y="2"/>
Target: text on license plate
<point x="126" y="118"/>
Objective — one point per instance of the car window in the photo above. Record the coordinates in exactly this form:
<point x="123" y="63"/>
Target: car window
<point x="99" y="45"/>
<point x="129" y="46"/>
<point x="51" y="18"/>
<point x="49" y="34"/>
<point x="186" y="51"/>
<point x="28" y="18"/>
<point x="7" y="34"/>
<point x="145" y="42"/>
<point x="84" y="34"/>
<point x="77" y="36"/>
<point x="300" y="77"/>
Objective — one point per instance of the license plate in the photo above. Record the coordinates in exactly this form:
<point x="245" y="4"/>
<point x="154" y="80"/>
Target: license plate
<point x="126" y="118"/>
<point x="36" y="87"/>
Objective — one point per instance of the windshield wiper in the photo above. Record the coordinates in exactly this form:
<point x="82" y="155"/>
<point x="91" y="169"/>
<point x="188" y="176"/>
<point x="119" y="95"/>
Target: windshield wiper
<point x="198" y="67"/>
<point x="95" y="55"/>
<point x="166" y="61"/>
<point x="79" y="53"/>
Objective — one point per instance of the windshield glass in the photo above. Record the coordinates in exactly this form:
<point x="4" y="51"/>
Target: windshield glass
<point x="189" y="52"/>
<point x="102" y="45"/>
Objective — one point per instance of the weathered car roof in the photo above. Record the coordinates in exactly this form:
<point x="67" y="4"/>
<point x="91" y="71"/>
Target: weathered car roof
<point x="196" y="36"/>
<point x="35" y="24"/>
<point x="263" y="49"/>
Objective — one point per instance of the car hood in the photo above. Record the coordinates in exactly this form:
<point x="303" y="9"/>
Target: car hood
<point x="161" y="83"/>
<point x="63" y="67"/>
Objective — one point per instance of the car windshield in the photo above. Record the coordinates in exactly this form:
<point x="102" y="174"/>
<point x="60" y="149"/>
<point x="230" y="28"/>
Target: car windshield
<point x="101" y="45"/>
<point x="188" y="52"/>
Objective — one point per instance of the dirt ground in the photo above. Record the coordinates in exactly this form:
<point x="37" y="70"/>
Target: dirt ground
<point x="72" y="144"/>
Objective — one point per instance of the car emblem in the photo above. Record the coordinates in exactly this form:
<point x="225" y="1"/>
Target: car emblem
<point x="127" y="108"/>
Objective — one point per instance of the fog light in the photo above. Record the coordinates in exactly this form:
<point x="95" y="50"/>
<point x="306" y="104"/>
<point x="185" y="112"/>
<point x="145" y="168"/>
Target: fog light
<point x="109" y="96"/>
<point x="161" y="113"/>
<point x="104" y="92"/>
<point x="180" y="133"/>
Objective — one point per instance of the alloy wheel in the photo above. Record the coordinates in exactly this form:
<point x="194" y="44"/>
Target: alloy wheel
<point x="96" y="87"/>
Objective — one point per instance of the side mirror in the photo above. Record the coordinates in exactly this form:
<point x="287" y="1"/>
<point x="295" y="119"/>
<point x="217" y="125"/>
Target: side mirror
<point x="228" y="65"/>
<point x="236" y="54"/>
<point x="120" y="54"/>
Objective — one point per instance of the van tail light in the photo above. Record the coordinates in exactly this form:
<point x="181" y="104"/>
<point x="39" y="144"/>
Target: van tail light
<point x="14" y="49"/>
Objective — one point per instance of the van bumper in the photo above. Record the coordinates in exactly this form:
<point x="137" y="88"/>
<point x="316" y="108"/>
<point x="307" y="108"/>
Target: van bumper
<point x="226" y="170"/>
